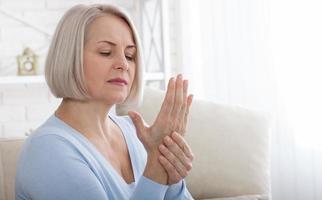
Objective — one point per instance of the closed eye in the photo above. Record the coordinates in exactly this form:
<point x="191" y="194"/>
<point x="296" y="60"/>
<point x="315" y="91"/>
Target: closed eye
<point x="130" y="58"/>
<point x="105" y="53"/>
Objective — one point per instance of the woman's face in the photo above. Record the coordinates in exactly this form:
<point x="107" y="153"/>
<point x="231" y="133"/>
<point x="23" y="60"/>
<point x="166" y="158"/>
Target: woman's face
<point x="109" y="59"/>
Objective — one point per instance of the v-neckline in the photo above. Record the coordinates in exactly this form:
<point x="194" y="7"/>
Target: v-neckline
<point x="129" y="152"/>
<point x="107" y="162"/>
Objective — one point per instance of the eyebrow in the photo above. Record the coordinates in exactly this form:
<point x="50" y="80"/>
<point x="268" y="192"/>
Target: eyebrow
<point x="113" y="44"/>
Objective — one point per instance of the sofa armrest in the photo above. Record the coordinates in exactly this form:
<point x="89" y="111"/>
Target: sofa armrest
<point x="9" y="152"/>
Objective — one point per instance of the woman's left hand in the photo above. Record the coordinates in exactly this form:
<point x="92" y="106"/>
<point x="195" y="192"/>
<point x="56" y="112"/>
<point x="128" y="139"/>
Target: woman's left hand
<point x="176" y="157"/>
<point x="172" y="116"/>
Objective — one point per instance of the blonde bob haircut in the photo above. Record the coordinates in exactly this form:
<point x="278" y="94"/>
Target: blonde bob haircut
<point x="64" y="70"/>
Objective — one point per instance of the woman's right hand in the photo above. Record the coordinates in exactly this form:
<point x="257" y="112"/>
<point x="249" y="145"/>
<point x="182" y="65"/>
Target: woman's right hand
<point x="176" y="157"/>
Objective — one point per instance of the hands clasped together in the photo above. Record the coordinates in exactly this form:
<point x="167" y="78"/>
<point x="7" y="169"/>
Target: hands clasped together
<point x="169" y="155"/>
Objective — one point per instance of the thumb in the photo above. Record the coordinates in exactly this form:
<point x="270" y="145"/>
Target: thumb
<point x="138" y="123"/>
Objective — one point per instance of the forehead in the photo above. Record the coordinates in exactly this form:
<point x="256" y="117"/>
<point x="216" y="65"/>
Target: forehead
<point x="110" y="27"/>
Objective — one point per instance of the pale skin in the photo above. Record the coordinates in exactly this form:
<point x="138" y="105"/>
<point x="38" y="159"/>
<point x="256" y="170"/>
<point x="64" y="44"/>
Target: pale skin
<point x="109" y="52"/>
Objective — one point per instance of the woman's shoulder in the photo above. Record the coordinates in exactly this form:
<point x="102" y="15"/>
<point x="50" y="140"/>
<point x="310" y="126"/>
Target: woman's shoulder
<point x="50" y="139"/>
<point x="49" y="132"/>
<point x="45" y="143"/>
<point x="52" y="160"/>
<point x="46" y="149"/>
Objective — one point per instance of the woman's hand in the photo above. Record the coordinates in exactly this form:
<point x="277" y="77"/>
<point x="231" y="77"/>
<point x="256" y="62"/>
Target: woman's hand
<point x="172" y="116"/>
<point x="176" y="157"/>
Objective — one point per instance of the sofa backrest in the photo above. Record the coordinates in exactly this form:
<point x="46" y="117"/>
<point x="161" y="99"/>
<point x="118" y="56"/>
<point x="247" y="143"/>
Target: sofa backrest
<point x="230" y="144"/>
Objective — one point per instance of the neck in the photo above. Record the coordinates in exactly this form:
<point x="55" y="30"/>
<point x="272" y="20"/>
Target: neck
<point x="88" y="117"/>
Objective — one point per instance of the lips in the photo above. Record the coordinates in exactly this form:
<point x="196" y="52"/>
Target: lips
<point x="118" y="81"/>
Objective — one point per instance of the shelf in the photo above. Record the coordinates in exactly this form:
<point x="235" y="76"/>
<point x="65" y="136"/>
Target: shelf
<point x="22" y="79"/>
<point x="41" y="78"/>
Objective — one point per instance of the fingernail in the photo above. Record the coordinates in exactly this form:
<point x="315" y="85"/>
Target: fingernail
<point x="180" y="76"/>
<point x="173" y="80"/>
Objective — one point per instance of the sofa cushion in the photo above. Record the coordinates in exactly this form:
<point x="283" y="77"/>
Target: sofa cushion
<point x="246" y="197"/>
<point x="230" y="144"/>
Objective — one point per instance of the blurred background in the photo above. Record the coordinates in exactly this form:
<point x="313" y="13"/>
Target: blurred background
<point x="264" y="55"/>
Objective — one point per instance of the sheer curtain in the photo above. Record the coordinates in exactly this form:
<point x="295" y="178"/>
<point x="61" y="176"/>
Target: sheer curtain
<point x="260" y="55"/>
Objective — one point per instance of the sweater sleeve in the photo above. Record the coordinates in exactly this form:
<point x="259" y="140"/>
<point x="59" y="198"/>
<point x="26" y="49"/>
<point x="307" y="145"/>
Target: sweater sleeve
<point x="178" y="191"/>
<point x="148" y="189"/>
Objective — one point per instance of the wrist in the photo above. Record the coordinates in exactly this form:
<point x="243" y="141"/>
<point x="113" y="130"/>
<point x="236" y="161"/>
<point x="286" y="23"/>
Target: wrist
<point x="154" y="170"/>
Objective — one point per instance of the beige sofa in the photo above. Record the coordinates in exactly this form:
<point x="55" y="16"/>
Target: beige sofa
<point x="231" y="147"/>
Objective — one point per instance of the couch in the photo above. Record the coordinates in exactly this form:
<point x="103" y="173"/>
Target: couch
<point x="230" y="144"/>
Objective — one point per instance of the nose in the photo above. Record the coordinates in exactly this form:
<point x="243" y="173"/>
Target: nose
<point x="121" y="63"/>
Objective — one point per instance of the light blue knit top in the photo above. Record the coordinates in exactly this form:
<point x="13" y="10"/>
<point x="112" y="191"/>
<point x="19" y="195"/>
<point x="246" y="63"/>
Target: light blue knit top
<point x="59" y="163"/>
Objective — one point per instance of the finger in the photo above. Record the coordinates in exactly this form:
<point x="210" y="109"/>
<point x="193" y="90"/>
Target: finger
<point x="170" y="169"/>
<point x="182" y="126"/>
<point x="179" y="153"/>
<point x="168" y="101"/>
<point x="178" y="99"/>
<point x="181" y="142"/>
<point x="138" y="123"/>
<point x="173" y="160"/>
<point x="189" y="102"/>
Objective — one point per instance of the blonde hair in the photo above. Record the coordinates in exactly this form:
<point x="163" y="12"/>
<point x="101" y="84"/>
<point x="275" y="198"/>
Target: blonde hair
<point x="64" y="64"/>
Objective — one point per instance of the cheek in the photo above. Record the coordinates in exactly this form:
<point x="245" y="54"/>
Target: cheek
<point x="132" y="72"/>
<point x="93" y="73"/>
<point x="93" y="66"/>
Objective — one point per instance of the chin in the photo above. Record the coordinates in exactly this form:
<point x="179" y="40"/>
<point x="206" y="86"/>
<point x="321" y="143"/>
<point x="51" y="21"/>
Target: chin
<point x="111" y="97"/>
<point x="115" y="99"/>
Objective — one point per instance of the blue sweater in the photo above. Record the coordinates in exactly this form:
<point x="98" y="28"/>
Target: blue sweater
<point x="59" y="163"/>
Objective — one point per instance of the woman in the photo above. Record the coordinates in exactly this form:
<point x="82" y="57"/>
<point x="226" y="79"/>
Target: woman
<point x="82" y="151"/>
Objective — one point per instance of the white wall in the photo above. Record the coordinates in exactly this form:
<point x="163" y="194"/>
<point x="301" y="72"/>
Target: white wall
<point x="24" y="107"/>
